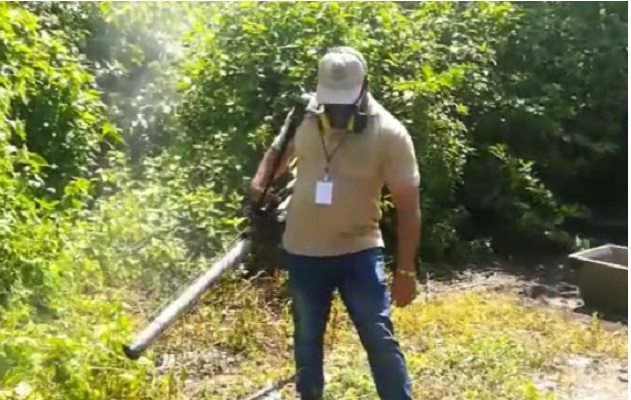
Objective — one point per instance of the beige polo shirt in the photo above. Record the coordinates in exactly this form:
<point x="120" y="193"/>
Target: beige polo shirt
<point x="358" y="169"/>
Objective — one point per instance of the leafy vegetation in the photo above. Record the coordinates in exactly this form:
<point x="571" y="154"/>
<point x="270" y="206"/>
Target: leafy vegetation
<point x="128" y="133"/>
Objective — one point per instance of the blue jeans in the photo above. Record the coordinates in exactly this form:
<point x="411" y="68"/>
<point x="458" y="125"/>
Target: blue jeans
<point x="360" y="278"/>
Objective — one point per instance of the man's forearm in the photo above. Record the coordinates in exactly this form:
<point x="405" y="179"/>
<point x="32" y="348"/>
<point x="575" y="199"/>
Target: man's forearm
<point x="408" y="238"/>
<point x="264" y="171"/>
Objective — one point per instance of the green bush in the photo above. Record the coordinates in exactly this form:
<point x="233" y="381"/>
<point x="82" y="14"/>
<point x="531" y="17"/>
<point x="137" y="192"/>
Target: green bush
<point x="554" y="105"/>
<point x="49" y="99"/>
<point x="51" y="123"/>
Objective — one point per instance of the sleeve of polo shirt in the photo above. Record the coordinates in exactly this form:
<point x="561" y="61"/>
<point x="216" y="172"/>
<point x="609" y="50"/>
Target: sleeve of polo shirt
<point x="278" y="140"/>
<point x="401" y="165"/>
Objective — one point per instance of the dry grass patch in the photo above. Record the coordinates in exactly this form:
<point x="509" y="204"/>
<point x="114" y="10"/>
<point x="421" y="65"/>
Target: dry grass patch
<point x="463" y="345"/>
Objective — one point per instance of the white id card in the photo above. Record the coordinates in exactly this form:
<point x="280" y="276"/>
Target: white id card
<point x="324" y="193"/>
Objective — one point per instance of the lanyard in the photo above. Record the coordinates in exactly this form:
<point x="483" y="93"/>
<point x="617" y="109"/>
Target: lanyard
<point x="329" y="156"/>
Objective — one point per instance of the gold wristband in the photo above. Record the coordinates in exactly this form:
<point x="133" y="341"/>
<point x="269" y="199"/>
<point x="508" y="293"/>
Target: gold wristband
<point x="404" y="272"/>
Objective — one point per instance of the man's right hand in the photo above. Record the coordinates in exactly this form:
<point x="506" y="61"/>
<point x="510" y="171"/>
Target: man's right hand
<point x="256" y="192"/>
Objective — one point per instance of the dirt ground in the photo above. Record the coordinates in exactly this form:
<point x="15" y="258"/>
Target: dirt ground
<point x="542" y="285"/>
<point x="546" y="285"/>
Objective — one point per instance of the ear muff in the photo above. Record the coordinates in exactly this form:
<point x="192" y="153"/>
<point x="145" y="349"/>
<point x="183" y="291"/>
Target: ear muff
<point x="351" y="124"/>
<point x="359" y="119"/>
<point x="356" y="123"/>
<point x="323" y="121"/>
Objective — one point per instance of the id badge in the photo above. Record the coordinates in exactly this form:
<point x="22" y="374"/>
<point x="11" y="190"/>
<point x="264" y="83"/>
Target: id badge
<point x="324" y="192"/>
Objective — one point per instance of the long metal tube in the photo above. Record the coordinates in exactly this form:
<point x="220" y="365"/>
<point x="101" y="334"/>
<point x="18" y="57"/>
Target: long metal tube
<point x="180" y="305"/>
<point x="193" y="292"/>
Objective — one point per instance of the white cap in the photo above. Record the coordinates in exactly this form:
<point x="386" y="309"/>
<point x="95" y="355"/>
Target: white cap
<point x="341" y="75"/>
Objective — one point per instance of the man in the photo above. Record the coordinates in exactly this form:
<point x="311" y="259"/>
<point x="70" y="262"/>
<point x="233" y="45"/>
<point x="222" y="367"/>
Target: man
<point x="332" y="236"/>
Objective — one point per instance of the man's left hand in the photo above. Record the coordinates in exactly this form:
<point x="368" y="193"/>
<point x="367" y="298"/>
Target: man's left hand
<point x="403" y="287"/>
